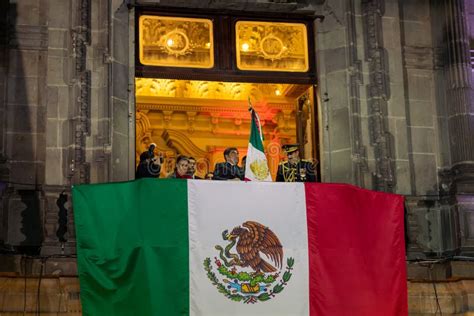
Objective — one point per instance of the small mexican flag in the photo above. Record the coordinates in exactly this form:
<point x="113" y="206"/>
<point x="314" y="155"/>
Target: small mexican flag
<point x="256" y="166"/>
<point x="194" y="247"/>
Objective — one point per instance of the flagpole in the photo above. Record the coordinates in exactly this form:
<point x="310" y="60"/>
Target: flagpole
<point x="253" y="112"/>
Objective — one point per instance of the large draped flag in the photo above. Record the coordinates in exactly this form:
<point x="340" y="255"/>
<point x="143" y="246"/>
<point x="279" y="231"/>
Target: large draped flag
<point x="213" y="248"/>
<point x="256" y="165"/>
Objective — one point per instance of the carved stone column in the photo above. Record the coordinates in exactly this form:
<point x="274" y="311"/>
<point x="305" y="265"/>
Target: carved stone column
<point x="378" y="93"/>
<point x="81" y="38"/>
<point x="458" y="181"/>
<point x="460" y="98"/>
<point x="359" y="154"/>
<point x="70" y="165"/>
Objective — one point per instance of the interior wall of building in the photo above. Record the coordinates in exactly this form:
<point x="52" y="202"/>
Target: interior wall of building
<point x="202" y="118"/>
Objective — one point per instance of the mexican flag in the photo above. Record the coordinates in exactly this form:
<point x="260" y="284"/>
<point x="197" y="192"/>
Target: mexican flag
<point x="213" y="248"/>
<point x="256" y="166"/>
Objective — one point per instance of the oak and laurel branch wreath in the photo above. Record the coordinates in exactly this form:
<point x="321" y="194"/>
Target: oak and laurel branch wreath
<point x="250" y="299"/>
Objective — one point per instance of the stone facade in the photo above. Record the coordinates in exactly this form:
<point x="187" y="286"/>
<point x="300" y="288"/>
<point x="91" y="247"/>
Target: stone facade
<point x="396" y="112"/>
<point x="399" y="84"/>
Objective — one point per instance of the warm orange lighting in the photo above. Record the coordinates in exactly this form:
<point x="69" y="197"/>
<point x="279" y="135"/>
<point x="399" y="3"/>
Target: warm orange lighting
<point x="277" y="92"/>
<point x="176" y="41"/>
<point x="276" y="46"/>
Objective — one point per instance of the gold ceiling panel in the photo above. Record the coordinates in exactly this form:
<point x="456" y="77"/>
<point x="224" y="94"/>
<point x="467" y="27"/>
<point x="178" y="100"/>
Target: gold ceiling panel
<point x="271" y="46"/>
<point x="176" y="42"/>
<point x="208" y="89"/>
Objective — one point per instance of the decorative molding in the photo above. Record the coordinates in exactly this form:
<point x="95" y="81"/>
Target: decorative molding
<point x="231" y="108"/>
<point x="191" y="119"/>
<point x="182" y="144"/>
<point x="143" y="132"/>
<point x="51" y="244"/>
<point x="359" y="156"/>
<point x="85" y="23"/>
<point x="378" y="94"/>
<point x="167" y="116"/>
<point x="282" y="6"/>
<point x="457" y="180"/>
<point x="81" y="36"/>
<point x="459" y="84"/>
<point x="217" y="90"/>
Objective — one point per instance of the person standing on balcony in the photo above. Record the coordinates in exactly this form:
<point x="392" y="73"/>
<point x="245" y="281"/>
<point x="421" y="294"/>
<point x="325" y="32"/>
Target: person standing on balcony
<point x="192" y="168"/>
<point x="149" y="166"/>
<point x="295" y="169"/>
<point x="229" y="170"/>
<point x="181" y="169"/>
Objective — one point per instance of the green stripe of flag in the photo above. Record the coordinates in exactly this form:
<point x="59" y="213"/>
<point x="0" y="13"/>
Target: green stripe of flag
<point x="255" y="138"/>
<point x="133" y="262"/>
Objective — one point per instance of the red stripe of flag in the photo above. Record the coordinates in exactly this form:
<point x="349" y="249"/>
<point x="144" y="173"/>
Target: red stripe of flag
<point x="356" y="251"/>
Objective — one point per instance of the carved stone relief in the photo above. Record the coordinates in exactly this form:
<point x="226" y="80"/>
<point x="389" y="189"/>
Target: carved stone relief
<point x="378" y="94"/>
<point x="81" y="38"/>
<point x="359" y="156"/>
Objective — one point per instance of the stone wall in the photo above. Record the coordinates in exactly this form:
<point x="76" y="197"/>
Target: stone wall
<point x="61" y="296"/>
<point x="66" y="97"/>
<point x="395" y="105"/>
<point x="392" y="86"/>
<point x="24" y="102"/>
<point x="377" y="69"/>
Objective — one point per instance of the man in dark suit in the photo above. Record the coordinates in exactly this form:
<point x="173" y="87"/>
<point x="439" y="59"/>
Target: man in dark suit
<point x="295" y="169"/>
<point x="192" y="168"/>
<point x="229" y="170"/>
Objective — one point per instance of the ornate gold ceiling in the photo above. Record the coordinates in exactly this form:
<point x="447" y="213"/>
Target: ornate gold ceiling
<point x="201" y="118"/>
<point x="213" y="90"/>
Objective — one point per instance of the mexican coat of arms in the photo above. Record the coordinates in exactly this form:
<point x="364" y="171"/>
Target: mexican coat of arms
<point x="242" y="274"/>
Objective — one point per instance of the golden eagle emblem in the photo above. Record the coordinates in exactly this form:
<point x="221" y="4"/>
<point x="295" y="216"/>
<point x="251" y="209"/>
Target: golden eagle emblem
<point x="259" y="168"/>
<point x="249" y="277"/>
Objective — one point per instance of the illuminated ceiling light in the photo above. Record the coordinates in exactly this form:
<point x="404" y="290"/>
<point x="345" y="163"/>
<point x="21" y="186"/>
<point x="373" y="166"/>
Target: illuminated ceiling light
<point x="277" y="92"/>
<point x="208" y="45"/>
<point x="245" y="47"/>
<point x="170" y="42"/>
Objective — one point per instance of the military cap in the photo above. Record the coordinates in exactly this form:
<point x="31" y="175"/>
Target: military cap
<point x="289" y="148"/>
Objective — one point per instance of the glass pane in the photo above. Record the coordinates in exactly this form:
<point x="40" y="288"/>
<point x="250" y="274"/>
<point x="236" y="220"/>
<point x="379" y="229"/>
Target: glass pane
<point x="176" y="42"/>
<point x="271" y="46"/>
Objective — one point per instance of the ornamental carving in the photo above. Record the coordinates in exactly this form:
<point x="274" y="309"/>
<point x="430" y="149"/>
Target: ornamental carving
<point x="211" y="89"/>
<point x="359" y="155"/>
<point x="378" y="88"/>
<point x="176" y="41"/>
<point x="271" y="46"/>
<point x="80" y="169"/>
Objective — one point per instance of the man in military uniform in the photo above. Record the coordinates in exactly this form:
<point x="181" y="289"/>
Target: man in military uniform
<point x="295" y="169"/>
